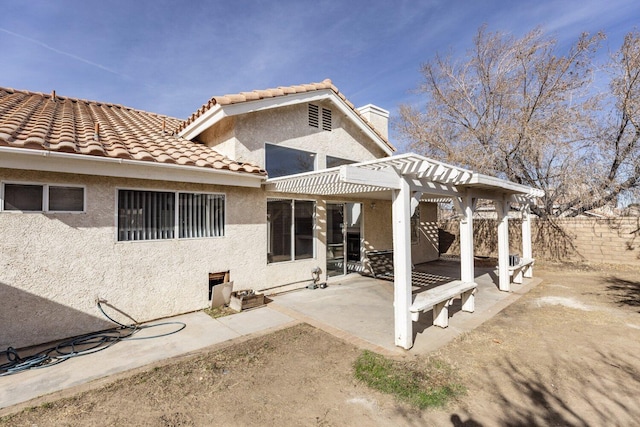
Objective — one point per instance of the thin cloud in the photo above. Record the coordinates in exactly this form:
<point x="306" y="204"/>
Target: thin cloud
<point x="61" y="52"/>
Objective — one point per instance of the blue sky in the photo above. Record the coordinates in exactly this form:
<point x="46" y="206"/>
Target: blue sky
<point x="170" y="57"/>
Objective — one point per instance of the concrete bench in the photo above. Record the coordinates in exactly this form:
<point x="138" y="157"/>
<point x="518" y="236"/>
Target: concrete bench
<point x="440" y="298"/>
<point x="523" y="269"/>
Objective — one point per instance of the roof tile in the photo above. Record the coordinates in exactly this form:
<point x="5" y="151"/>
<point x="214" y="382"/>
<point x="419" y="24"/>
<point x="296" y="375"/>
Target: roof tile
<point x="271" y="93"/>
<point x="41" y="122"/>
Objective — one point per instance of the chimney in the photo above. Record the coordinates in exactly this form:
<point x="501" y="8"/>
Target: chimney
<point x="378" y="117"/>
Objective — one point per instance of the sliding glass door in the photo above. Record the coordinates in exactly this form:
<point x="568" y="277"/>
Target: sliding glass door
<point x="344" y="238"/>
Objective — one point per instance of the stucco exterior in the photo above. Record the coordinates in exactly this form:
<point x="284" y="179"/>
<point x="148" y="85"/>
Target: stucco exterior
<point x="53" y="266"/>
<point x="426" y="249"/>
<point x="288" y="126"/>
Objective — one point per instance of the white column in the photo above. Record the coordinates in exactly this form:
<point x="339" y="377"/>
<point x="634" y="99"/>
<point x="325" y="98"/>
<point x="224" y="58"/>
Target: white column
<point x="401" y="211"/>
<point x="502" y="208"/>
<point x="466" y="239"/>
<point x="527" y="249"/>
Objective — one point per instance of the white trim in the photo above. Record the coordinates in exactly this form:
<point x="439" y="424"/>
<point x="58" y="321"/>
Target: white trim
<point x="490" y="181"/>
<point x="210" y="118"/>
<point x="428" y="176"/>
<point x="386" y="178"/>
<point x="202" y="123"/>
<point x="370" y="108"/>
<point x="52" y="161"/>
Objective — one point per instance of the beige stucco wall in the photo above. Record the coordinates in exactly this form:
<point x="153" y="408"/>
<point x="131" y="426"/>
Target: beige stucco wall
<point x="378" y="234"/>
<point x="53" y="266"/>
<point x="222" y="137"/>
<point x="427" y="247"/>
<point x="288" y="126"/>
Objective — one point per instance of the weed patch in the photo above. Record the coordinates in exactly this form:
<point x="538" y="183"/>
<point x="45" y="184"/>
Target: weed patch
<point x="431" y="384"/>
<point x="219" y="311"/>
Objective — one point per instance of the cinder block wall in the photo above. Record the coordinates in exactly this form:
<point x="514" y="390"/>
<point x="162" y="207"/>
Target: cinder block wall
<point x="615" y="241"/>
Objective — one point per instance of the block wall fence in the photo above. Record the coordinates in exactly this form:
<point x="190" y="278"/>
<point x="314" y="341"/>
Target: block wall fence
<point x="614" y="241"/>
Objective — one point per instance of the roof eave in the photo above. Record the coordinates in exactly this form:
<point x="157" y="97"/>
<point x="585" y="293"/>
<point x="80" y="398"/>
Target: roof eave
<point x="218" y="112"/>
<point x="52" y="161"/>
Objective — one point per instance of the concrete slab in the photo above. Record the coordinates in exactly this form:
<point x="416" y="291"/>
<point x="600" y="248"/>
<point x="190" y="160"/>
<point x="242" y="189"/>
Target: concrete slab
<point x="362" y="307"/>
<point x="357" y="309"/>
<point x="254" y="320"/>
<point x="201" y="331"/>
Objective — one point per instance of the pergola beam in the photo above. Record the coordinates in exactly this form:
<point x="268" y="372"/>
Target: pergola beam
<point x="502" y="208"/>
<point x="401" y="217"/>
<point x="385" y="178"/>
<point x="408" y="177"/>
<point x="527" y="247"/>
<point x="466" y="204"/>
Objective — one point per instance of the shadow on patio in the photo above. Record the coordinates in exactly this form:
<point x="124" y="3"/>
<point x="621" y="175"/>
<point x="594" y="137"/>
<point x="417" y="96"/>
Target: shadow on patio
<point x="360" y="308"/>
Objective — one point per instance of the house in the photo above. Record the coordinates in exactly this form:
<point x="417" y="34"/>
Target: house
<point x="146" y="212"/>
<point x="104" y="201"/>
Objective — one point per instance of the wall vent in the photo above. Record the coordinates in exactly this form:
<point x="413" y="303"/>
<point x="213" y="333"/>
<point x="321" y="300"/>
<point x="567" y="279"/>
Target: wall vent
<point x="326" y="119"/>
<point x="314" y="119"/>
<point x="217" y="279"/>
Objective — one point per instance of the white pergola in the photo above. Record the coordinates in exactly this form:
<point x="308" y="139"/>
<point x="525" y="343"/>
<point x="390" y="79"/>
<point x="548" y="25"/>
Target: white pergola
<point x="409" y="178"/>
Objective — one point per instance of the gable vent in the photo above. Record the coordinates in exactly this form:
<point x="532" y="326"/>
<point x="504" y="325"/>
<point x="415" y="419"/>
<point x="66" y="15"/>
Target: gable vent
<point x="326" y="119"/>
<point x="314" y="118"/>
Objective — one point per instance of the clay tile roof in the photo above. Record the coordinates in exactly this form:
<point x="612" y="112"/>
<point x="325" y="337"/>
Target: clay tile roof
<point x="39" y="121"/>
<point x="271" y="93"/>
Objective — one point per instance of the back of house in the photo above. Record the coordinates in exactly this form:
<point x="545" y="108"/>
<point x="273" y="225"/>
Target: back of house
<point x="147" y="212"/>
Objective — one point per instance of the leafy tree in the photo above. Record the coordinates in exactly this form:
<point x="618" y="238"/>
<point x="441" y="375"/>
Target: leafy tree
<point x="516" y="109"/>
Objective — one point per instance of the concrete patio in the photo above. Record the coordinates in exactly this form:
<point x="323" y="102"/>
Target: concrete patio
<point x="360" y="309"/>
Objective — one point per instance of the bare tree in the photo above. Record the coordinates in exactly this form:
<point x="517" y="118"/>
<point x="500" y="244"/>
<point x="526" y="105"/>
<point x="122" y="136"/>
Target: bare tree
<point x="617" y="141"/>
<point x="517" y="109"/>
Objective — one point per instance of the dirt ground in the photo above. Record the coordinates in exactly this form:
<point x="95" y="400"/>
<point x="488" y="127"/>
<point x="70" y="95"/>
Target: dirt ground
<point x="564" y="354"/>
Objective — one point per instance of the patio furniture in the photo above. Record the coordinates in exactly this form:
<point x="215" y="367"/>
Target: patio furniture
<point x="523" y="269"/>
<point x="440" y="298"/>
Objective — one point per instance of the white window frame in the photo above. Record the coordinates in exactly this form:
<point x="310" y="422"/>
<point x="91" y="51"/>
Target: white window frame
<point x="176" y="225"/>
<point x="45" y="197"/>
<point x="293" y="230"/>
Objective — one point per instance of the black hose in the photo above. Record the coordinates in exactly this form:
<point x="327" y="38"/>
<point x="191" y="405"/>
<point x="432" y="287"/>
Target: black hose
<point x="79" y="346"/>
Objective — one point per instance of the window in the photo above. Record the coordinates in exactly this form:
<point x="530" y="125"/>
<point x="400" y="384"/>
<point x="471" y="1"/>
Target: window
<point x="281" y="161"/>
<point x="42" y="198"/>
<point x="314" y="117"/>
<point x="333" y="162"/>
<point x="66" y="199"/>
<point x="201" y="215"/>
<point x="290" y="225"/>
<point x="153" y="215"/>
